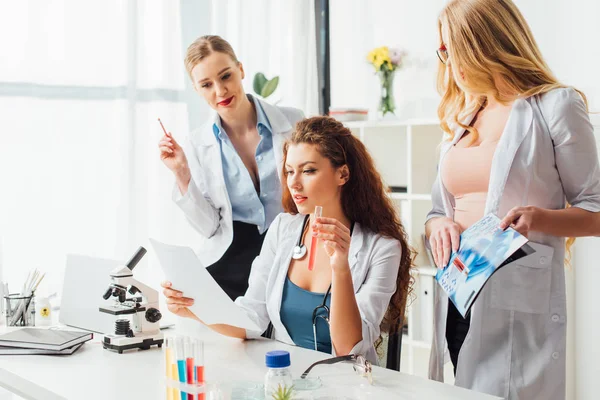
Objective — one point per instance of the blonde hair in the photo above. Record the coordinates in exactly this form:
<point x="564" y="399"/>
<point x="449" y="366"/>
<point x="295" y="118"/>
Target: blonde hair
<point x="203" y="47"/>
<point x="487" y="39"/>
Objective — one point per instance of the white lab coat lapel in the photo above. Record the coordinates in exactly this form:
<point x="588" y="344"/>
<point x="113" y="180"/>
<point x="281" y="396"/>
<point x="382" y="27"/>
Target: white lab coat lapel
<point x="277" y="294"/>
<point x="280" y="126"/>
<point x="356" y="243"/>
<point x="209" y="153"/>
<point x="516" y="129"/>
<point x="274" y="302"/>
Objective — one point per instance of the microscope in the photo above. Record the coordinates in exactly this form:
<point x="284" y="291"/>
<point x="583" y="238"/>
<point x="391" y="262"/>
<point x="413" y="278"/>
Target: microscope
<point x="135" y="308"/>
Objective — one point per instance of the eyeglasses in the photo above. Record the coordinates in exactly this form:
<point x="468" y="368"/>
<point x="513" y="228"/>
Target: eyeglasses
<point x="360" y="364"/>
<point x="324" y="316"/>
<point x="442" y="54"/>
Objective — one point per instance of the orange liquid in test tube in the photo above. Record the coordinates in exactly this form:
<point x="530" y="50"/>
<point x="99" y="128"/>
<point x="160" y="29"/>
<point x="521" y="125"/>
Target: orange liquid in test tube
<point x="199" y="366"/>
<point x="189" y="373"/>
<point x="314" y="241"/>
<point x="200" y="377"/>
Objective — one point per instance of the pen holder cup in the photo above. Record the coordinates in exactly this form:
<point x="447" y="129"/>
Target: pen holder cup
<point x="19" y="310"/>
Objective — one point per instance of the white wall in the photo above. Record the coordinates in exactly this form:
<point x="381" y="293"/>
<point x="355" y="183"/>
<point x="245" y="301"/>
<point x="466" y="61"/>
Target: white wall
<point x="358" y="26"/>
<point x="584" y="317"/>
<point x="566" y="31"/>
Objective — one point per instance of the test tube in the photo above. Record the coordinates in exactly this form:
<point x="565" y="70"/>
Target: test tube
<point x="189" y="365"/>
<point x="180" y="356"/>
<point x="199" y="365"/>
<point x="313" y="243"/>
<point x="171" y="369"/>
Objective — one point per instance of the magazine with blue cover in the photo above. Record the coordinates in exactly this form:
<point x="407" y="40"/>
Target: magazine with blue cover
<point x="484" y="248"/>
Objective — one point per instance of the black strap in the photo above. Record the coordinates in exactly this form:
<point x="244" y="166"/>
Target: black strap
<point x="304" y="225"/>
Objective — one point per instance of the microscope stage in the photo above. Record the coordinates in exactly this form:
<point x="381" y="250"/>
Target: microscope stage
<point x="121" y="310"/>
<point x="122" y="343"/>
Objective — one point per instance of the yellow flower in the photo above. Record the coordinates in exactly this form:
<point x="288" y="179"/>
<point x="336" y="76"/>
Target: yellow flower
<point x="371" y="56"/>
<point x="379" y="56"/>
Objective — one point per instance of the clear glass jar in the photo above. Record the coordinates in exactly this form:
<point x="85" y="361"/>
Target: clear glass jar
<point x="43" y="311"/>
<point x="278" y="380"/>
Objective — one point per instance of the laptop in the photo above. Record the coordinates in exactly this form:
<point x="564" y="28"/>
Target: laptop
<point x="86" y="279"/>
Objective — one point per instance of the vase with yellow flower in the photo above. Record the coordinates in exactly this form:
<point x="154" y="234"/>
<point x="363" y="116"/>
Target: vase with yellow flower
<point x="386" y="62"/>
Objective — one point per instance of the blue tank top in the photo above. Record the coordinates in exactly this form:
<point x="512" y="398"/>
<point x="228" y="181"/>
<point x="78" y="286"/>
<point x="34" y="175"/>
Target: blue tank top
<point x="297" y="306"/>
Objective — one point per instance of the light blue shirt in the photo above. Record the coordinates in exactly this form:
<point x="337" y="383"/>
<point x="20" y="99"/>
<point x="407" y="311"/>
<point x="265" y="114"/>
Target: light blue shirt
<point x="246" y="205"/>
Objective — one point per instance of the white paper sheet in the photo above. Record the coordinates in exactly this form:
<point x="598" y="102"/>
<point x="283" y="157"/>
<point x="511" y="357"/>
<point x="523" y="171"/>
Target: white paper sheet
<point x="211" y="304"/>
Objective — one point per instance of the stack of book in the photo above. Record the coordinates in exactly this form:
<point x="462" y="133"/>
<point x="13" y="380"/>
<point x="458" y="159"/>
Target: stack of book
<point x="42" y="341"/>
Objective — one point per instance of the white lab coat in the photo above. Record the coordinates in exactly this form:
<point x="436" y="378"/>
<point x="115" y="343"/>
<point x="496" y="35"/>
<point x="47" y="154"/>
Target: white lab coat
<point x="374" y="261"/>
<point x="206" y="204"/>
<point x="516" y="344"/>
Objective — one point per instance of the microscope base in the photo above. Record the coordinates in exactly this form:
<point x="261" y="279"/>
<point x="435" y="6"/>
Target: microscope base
<point x="120" y="343"/>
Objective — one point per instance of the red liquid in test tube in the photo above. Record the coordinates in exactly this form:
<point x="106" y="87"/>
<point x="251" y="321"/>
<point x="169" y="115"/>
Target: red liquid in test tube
<point x="189" y="365"/>
<point x="199" y="365"/>
<point x="314" y="241"/>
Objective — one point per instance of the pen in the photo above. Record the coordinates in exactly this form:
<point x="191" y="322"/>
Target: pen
<point x="163" y="127"/>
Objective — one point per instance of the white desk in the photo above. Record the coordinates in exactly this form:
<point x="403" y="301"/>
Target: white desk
<point x="95" y="373"/>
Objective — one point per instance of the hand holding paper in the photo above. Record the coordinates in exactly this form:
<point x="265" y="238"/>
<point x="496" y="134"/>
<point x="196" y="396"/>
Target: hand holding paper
<point x="211" y="304"/>
<point x="484" y="248"/>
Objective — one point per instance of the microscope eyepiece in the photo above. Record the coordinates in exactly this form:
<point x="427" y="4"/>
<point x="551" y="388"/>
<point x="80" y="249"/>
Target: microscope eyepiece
<point x="136" y="258"/>
<point x="133" y="290"/>
<point x="107" y="294"/>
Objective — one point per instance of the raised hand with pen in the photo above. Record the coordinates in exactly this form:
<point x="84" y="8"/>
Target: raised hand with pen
<point x="173" y="156"/>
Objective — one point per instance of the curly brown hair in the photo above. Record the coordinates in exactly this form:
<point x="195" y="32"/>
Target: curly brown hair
<point x="364" y="199"/>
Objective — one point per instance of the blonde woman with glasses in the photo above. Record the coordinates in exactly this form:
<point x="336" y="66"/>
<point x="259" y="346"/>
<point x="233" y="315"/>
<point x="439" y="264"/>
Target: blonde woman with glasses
<point x="520" y="145"/>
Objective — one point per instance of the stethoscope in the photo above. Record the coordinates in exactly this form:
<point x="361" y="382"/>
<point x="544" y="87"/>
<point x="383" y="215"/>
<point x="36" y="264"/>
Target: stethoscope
<point x="298" y="253"/>
<point x="300" y="249"/>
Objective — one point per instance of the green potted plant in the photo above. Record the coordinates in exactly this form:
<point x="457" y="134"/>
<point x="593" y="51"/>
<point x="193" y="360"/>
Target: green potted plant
<point x="264" y="87"/>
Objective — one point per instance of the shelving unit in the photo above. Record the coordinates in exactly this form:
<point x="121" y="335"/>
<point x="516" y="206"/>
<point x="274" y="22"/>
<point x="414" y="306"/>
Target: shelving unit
<point x="405" y="153"/>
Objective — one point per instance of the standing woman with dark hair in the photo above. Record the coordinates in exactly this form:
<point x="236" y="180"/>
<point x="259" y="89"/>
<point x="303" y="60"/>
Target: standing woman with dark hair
<point x="520" y="145"/>
<point x="361" y="276"/>
<point x="227" y="173"/>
